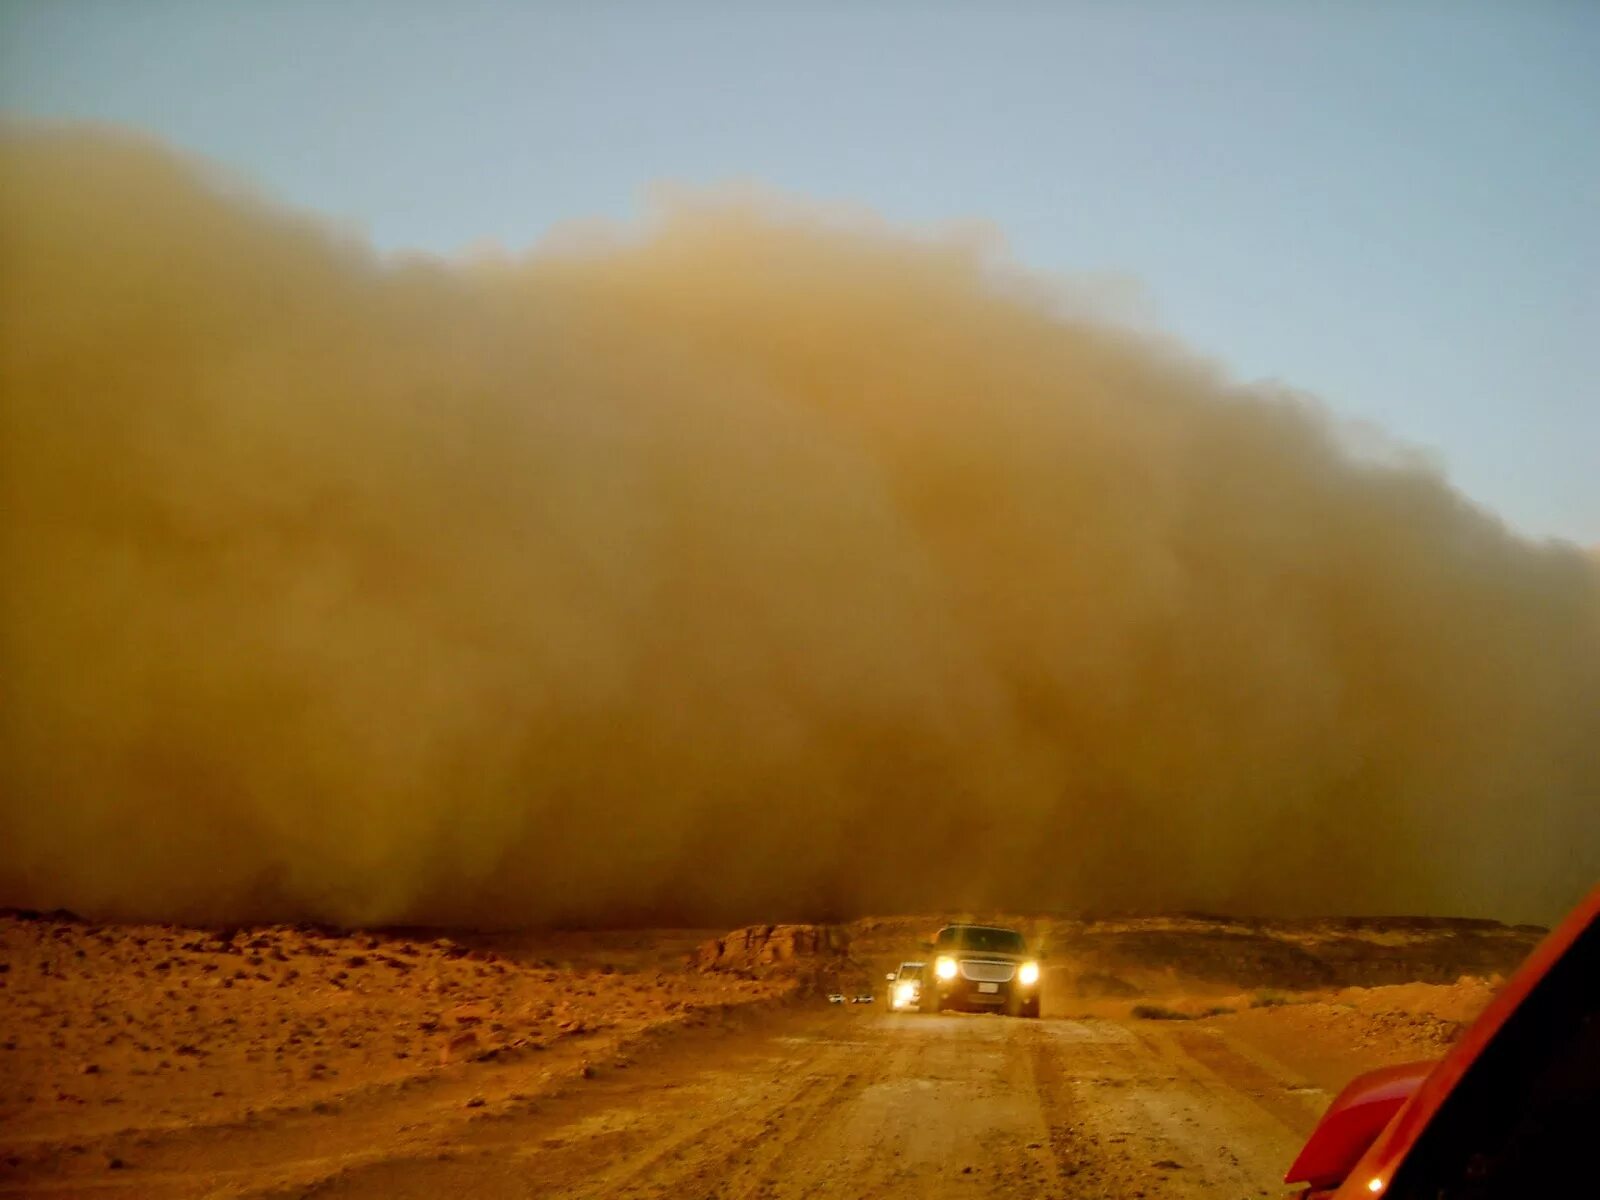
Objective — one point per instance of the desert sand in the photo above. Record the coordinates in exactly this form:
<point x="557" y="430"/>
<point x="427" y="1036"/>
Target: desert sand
<point x="154" y="1060"/>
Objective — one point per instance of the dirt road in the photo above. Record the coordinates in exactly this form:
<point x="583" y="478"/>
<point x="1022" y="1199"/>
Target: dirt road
<point x="833" y="1102"/>
<point x="858" y="1106"/>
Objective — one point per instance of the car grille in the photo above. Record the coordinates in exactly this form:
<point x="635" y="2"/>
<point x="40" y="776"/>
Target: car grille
<point x="988" y="972"/>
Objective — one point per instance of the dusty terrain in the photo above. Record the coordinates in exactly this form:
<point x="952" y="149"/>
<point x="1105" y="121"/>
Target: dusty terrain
<point x="1182" y="1056"/>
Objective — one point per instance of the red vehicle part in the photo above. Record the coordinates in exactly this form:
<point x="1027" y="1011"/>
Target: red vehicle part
<point x="1568" y="955"/>
<point x="1354" y="1119"/>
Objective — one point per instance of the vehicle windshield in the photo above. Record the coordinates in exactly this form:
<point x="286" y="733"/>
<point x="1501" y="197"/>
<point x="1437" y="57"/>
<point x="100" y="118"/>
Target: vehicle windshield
<point x="1519" y="1121"/>
<point x="983" y="939"/>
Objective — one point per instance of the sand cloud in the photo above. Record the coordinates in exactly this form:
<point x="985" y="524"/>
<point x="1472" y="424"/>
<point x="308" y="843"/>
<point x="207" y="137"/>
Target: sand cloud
<point x="753" y="562"/>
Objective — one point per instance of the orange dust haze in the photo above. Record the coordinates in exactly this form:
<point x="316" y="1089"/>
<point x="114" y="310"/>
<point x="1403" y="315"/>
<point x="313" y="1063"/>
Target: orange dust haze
<point x="761" y="561"/>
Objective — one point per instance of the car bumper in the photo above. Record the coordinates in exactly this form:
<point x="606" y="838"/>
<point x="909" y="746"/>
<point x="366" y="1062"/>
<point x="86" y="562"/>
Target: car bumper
<point x="969" y="994"/>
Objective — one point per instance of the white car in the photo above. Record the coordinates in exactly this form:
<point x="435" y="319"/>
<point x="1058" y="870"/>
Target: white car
<point x="905" y="987"/>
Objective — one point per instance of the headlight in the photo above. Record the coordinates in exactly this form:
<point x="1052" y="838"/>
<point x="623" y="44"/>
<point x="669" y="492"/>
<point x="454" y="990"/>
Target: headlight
<point x="945" y="967"/>
<point x="1029" y="974"/>
<point x="904" y="993"/>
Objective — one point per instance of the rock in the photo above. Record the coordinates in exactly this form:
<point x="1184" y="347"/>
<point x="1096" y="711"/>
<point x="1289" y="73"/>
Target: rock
<point x="463" y="1045"/>
<point x="469" y="1014"/>
<point x="757" y="947"/>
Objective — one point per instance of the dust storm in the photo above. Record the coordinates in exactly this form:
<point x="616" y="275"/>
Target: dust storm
<point x="755" y="561"/>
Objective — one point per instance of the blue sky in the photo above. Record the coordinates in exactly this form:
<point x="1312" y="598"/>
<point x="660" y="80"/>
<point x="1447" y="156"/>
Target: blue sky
<point x="1391" y="205"/>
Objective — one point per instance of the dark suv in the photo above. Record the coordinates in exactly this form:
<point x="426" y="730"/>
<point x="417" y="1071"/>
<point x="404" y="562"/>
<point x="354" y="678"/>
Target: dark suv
<point x="980" y="968"/>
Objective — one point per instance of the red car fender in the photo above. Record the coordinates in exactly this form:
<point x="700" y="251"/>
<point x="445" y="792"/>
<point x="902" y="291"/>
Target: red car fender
<point x="1371" y="1175"/>
<point x="1356" y="1117"/>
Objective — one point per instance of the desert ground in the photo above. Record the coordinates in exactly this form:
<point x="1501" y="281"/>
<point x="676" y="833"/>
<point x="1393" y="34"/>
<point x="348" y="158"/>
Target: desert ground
<point x="1181" y="1056"/>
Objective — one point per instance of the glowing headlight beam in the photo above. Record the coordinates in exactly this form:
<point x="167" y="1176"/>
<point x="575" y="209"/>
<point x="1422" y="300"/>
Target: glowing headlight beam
<point x="945" y="967"/>
<point x="1028" y="974"/>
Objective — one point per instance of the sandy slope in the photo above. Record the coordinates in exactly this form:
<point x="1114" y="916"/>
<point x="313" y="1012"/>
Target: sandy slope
<point x="115" y="1032"/>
